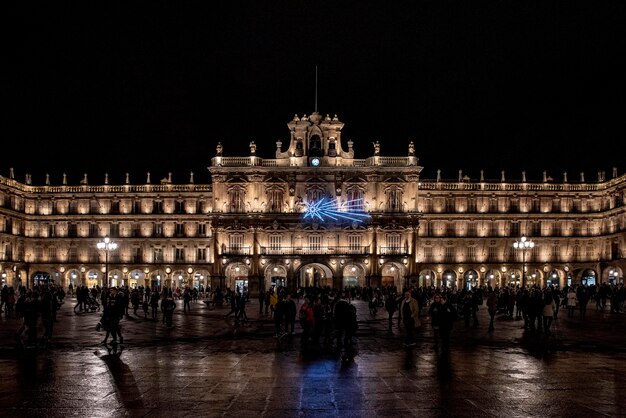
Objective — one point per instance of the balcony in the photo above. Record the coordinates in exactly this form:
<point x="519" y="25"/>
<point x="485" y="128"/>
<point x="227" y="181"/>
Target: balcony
<point x="392" y="251"/>
<point x="315" y="250"/>
<point x="236" y="250"/>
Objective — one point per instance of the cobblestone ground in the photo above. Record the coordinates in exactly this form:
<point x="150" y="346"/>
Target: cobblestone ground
<point x="207" y="366"/>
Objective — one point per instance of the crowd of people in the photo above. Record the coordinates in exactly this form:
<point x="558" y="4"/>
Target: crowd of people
<point x="325" y="315"/>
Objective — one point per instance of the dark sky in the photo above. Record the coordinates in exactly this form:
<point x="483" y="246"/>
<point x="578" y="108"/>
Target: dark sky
<point x="134" y="87"/>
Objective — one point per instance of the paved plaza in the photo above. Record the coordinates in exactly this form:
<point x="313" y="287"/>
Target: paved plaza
<point x="207" y="366"/>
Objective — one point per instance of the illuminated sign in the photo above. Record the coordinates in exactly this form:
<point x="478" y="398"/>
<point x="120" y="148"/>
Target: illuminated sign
<point x="324" y="210"/>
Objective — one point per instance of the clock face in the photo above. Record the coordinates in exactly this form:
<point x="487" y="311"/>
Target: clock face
<point x="315" y="162"/>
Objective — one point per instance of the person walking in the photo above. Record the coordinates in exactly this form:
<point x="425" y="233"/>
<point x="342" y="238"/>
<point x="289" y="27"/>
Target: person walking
<point x="409" y="312"/>
<point x="241" y="308"/>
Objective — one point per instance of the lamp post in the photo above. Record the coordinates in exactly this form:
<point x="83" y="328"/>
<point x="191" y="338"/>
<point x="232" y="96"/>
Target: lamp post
<point x="106" y="245"/>
<point x="523" y="244"/>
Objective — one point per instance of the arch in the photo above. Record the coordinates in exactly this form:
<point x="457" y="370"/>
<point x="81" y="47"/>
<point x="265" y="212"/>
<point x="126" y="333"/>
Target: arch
<point x="137" y="278"/>
<point x="470" y="279"/>
<point x="275" y="275"/>
<point x="448" y="278"/>
<point x="314" y="275"/>
<point x="116" y="278"/>
<point x="393" y="273"/>
<point x="427" y="278"/>
<point x="353" y="274"/>
<point x="158" y="278"/>
<point x="493" y="278"/>
<point x="589" y="277"/>
<point x="40" y="277"/>
<point x="237" y="276"/>
<point x="535" y="277"/>
<point x="201" y="279"/>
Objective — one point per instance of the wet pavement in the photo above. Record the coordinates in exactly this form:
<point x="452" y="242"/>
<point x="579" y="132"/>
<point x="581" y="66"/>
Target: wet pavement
<point x="206" y="366"/>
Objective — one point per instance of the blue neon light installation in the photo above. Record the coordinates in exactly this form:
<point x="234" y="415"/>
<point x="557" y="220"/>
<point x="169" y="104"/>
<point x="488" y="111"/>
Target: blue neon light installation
<point x="324" y="210"/>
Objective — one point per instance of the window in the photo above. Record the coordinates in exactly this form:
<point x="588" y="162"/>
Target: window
<point x="157" y="207"/>
<point x="93" y="230"/>
<point x="180" y="230"/>
<point x="201" y="230"/>
<point x="275" y="200"/>
<point x="201" y="254"/>
<point x="314" y="194"/>
<point x="180" y="206"/>
<point x="493" y="254"/>
<point x="136" y="231"/>
<point x="157" y="255"/>
<point x="51" y="231"/>
<point x="428" y="254"/>
<point x="115" y="230"/>
<point x="315" y="242"/>
<point x="137" y="255"/>
<point x="393" y="243"/>
<point x="52" y="254"/>
<point x="235" y="242"/>
<point x="354" y="242"/>
<point x="394" y="200"/>
<point x="471" y="254"/>
<point x="73" y="255"/>
<point x="136" y="207"/>
<point x="275" y="242"/>
<point x="237" y="201"/>
<point x="157" y="230"/>
<point x="180" y="254"/>
<point x="354" y="200"/>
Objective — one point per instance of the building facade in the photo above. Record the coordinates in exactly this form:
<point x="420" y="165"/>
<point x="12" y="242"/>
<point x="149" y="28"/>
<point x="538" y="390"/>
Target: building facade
<point x="314" y="216"/>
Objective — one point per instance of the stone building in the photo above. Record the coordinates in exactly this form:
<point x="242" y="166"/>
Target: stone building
<point x="315" y="216"/>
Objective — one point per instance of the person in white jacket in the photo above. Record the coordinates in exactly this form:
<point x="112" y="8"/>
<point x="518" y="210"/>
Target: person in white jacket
<point x="571" y="302"/>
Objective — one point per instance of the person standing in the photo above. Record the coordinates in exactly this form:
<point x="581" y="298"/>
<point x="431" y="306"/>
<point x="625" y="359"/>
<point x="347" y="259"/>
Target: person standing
<point x="279" y="316"/>
<point x="492" y="307"/>
<point x="446" y="323"/>
<point x="168" y="304"/>
<point x="187" y="299"/>
<point x="549" y="309"/>
<point x="391" y="307"/>
<point x="307" y="320"/>
<point x="571" y="302"/>
<point x="290" y="311"/>
<point x="261" y="301"/>
<point x="436" y="311"/>
<point x="409" y="312"/>
<point x="154" y="303"/>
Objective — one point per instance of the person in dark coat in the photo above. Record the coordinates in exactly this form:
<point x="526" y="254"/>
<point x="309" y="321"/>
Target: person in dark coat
<point x="391" y="307"/>
<point x="290" y="311"/>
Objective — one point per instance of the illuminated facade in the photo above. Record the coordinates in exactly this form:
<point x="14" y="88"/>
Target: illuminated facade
<point x="314" y="216"/>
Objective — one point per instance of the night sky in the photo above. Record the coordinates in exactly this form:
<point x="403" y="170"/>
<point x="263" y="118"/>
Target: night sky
<point x="100" y="87"/>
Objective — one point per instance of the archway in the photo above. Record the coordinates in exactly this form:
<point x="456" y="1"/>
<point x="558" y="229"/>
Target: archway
<point x="493" y="278"/>
<point x="470" y="279"/>
<point x="427" y="278"/>
<point x="589" y="277"/>
<point x="393" y="274"/>
<point x="353" y="276"/>
<point x="275" y="276"/>
<point x="237" y="277"/>
<point x="448" y="279"/>
<point x="315" y="275"/>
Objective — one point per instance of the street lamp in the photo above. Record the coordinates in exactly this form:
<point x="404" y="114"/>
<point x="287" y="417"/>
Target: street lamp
<point x="523" y="245"/>
<point x="106" y="245"/>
